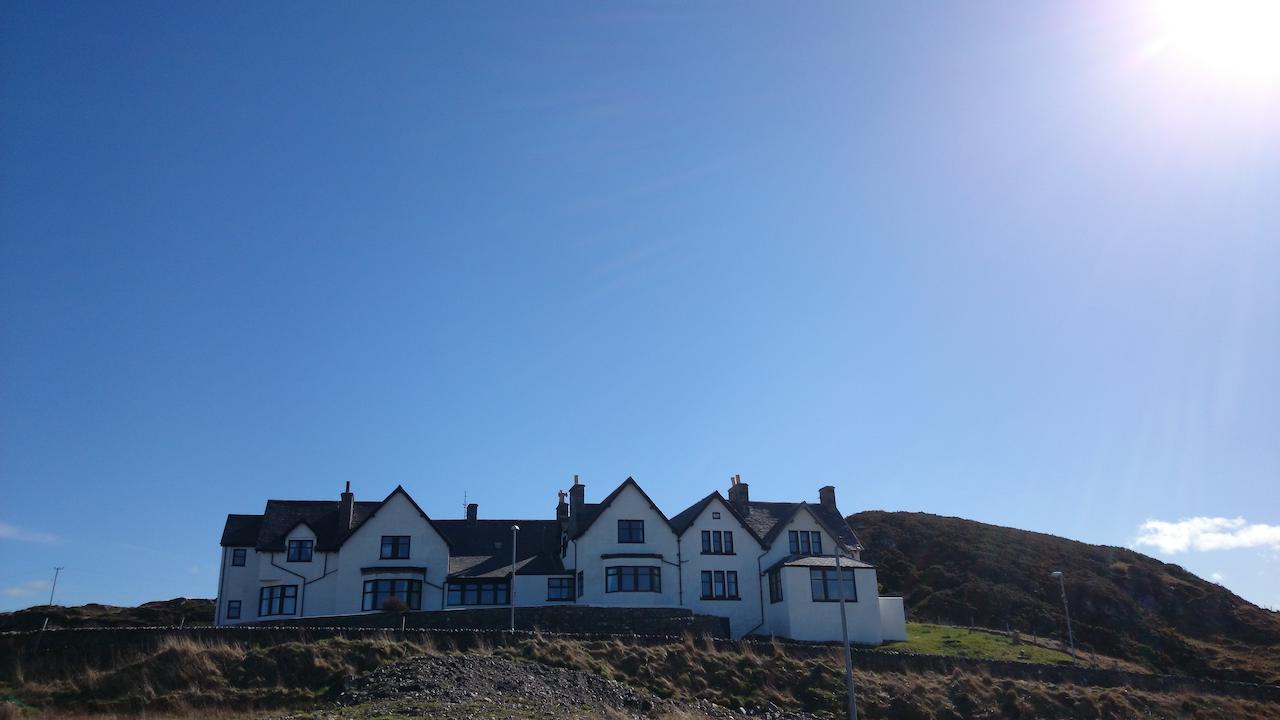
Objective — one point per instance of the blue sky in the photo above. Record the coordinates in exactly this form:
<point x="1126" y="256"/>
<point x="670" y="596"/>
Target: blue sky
<point x="999" y="261"/>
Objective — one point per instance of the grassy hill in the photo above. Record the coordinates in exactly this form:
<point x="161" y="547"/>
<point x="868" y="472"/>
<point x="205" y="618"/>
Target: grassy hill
<point x="1123" y="603"/>
<point x="187" y="611"/>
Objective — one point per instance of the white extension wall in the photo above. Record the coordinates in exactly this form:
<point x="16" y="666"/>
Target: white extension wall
<point x="893" y="620"/>
<point x="818" y="620"/>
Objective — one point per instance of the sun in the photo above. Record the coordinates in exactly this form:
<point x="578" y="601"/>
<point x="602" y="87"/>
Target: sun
<point x="1238" y="39"/>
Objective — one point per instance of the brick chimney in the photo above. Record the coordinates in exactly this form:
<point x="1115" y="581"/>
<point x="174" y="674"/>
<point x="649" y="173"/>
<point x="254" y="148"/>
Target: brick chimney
<point x="562" y="508"/>
<point x="827" y="496"/>
<point x="346" y="505"/>
<point x="577" y="497"/>
<point x="473" y="509"/>
<point x="738" y="494"/>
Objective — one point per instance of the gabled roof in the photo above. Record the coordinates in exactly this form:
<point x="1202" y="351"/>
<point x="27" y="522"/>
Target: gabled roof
<point x="768" y="519"/>
<point x="280" y="517"/>
<point x="591" y="512"/>
<point x="685" y="518"/>
<point x="241" y="530"/>
<point x="483" y="548"/>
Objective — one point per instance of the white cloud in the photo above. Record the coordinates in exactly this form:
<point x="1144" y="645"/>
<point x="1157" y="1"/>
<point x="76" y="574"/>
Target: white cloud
<point x="13" y="532"/>
<point x="1216" y="577"/>
<point x="1207" y="533"/>
<point x="27" y="588"/>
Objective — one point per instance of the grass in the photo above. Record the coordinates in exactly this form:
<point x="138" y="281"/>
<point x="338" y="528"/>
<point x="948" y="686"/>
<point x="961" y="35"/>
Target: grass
<point x="189" y="678"/>
<point x="928" y="639"/>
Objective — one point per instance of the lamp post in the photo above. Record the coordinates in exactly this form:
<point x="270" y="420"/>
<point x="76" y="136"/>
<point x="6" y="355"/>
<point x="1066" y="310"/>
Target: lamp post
<point x="1062" y="585"/>
<point x="514" y="529"/>
<point x="844" y="634"/>
<point x="56" y="572"/>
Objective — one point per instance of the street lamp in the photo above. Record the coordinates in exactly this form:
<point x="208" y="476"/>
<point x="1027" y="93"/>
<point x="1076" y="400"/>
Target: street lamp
<point x="844" y="633"/>
<point x="514" y="529"/>
<point x="1070" y="638"/>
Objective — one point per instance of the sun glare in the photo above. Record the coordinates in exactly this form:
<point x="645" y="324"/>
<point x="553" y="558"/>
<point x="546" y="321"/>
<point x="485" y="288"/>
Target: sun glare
<point x="1235" y="38"/>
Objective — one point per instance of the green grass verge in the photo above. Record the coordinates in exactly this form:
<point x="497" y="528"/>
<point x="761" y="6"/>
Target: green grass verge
<point x="944" y="640"/>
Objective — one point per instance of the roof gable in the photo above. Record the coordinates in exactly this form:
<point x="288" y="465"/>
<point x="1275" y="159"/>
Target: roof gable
<point x="769" y="519"/>
<point x="372" y="511"/>
<point x="687" y="517"/>
<point x="590" y="517"/>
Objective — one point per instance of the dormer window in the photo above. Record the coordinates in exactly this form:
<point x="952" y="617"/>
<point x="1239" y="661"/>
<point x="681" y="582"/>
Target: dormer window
<point x="805" y="542"/>
<point x="300" y="550"/>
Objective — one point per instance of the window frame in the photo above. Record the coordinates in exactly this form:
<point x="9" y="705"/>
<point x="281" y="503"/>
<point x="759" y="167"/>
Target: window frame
<point x="775" y="586"/>
<point x="582" y="583"/>
<point x="395" y="543"/>
<point x="721" y="539"/>
<point x="300" y="545"/>
<point x="497" y="590"/>
<point x="628" y="538"/>
<point x="230" y="605"/>
<point x="719" y="585"/>
<point x="620" y="576"/>
<point x="270" y="599"/>
<point x="374" y="599"/>
<point x="238" y="557"/>
<point x="828" y="583"/>
<point x="561" y="589"/>
<point x="804" y="542"/>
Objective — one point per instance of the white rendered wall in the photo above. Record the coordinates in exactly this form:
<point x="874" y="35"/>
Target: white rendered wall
<point x="531" y="591"/>
<point x="744" y="614"/>
<point x="602" y="538"/>
<point x="893" y="619"/>
<point x="363" y="548"/>
<point x="810" y="620"/>
<point x="239" y="583"/>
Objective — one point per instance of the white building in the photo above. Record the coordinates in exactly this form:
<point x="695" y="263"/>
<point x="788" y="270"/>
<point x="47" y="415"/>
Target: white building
<point x="769" y="567"/>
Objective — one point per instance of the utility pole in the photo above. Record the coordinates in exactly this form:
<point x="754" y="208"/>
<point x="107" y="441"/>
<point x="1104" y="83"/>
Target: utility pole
<point x="844" y="633"/>
<point x="1070" y="638"/>
<point x="514" y="529"/>
<point x="54" y="587"/>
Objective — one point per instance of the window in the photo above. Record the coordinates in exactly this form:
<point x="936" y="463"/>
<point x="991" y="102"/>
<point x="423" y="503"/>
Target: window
<point x="630" y="531"/>
<point x="560" y="588"/>
<point x="582" y="585"/>
<point x="717" y="542"/>
<point x="278" y="600"/>
<point x="378" y="592"/>
<point x="300" y="550"/>
<point x="480" y="592"/>
<point x="775" y="586"/>
<point x="632" y="579"/>
<point x="237" y="557"/>
<point x="719" y="585"/>
<point x="715" y="515"/>
<point x="805" y="542"/>
<point x="823" y="581"/>
<point x="395" y="547"/>
<point x="233" y="609"/>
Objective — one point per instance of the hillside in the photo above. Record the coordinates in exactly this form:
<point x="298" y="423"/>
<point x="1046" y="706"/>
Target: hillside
<point x="186" y="611"/>
<point x="1123" y="603"/>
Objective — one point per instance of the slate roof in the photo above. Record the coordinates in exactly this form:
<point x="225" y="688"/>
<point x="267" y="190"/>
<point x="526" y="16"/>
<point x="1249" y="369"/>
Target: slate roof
<point x="269" y="530"/>
<point x="816" y="561"/>
<point x="484" y="549"/>
<point x="241" y="530"/>
<point x="767" y="519"/>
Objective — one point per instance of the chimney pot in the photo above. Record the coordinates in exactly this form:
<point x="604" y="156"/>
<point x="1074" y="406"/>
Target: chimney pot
<point x="473" y="509"/>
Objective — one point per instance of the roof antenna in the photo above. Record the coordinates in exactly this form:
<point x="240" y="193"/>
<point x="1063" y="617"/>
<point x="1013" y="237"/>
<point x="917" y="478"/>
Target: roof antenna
<point x="464" y="503"/>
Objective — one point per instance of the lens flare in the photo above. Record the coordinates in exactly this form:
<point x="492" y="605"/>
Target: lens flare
<point x="1238" y="39"/>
